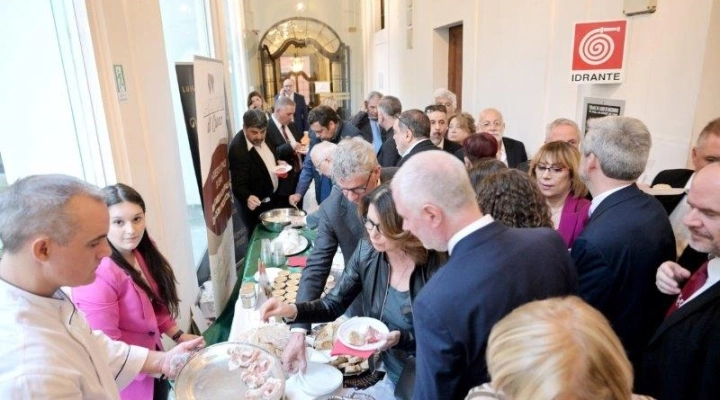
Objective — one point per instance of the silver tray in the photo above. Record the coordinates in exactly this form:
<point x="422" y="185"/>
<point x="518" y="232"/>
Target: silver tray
<point x="208" y="374"/>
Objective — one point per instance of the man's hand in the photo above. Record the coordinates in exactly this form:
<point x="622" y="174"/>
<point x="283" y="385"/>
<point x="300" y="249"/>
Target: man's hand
<point x="253" y="202"/>
<point x="275" y="308"/>
<point x="294" y="199"/>
<point x="294" y="358"/>
<point x="669" y="276"/>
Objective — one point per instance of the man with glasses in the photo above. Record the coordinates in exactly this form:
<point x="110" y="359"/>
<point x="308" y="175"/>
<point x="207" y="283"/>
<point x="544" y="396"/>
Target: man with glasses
<point x="412" y="134"/>
<point x="356" y="173"/>
<point x="512" y="152"/>
<point x="437" y="114"/>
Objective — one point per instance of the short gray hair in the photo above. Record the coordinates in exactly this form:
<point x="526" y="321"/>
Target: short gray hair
<point x="416" y="121"/>
<point x="353" y="156"/>
<point x="321" y="151"/>
<point x="444" y="93"/>
<point x="436" y="177"/>
<point x="621" y="144"/>
<point x="36" y="205"/>
<point x="390" y="106"/>
<point x="283" y="101"/>
<point x="373" y="95"/>
<point x="558" y="122"/>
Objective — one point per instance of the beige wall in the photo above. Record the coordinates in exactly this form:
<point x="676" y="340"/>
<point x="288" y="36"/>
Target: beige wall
<point x="517" y="57"/>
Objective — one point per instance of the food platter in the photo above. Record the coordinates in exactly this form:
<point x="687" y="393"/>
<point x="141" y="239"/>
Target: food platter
<point x="231" y="370"/>
<point x="363" y="333"/>
<point x="293" y="242"/>
<point x="323" y="343"/>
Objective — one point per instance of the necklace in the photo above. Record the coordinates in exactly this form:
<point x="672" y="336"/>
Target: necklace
<point x="397" y="281"/>
<point x="387" y="289"/>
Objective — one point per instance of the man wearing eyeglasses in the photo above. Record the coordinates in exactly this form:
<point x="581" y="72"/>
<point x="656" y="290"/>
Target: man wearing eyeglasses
<point x="627" y="235"/>
<point x="356" y="173"/>
<point x="412" y="134"/>
<point x="512" y="152"/>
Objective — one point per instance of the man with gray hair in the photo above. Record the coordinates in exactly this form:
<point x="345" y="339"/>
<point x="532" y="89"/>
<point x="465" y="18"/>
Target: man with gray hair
<point x="446" y="98"/>
<point x="412" y="134"/>
<point x="366" y="121"/>
<point x="54" y="231"/>
<point x="322" y="157"/>
<point x="488" y="274"/>
<point x="564" y="130"/>
<point x="356" y="172"/>
<point x="389" y="108"/>
<point x="627" y="235"/>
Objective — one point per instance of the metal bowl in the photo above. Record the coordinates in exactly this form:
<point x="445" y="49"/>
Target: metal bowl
<point x="276" y="220"/>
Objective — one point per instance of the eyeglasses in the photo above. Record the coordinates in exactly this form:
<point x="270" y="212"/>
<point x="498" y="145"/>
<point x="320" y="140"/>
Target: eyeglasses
<point x="540" y="169"/>
<point x="370" y="225"/>
<point x="358" y="190"/>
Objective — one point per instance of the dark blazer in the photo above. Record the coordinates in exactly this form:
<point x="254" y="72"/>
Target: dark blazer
<point x="250" y="176"/>
<point x="389" y="156"/>
<point x="361" y="121"/>
<point x="573" y="217"/>
<point x="515" y="151"/>
<point x="424" y="145"/>
<point x="617" y="255"/>
<point x="301" y="112"/>
<point x="450" y="146"/>
<point x="682" y="360"/>
<point x="690" y="258"/>
<point x="285" y="152"/>
<point x="480" y="284"/>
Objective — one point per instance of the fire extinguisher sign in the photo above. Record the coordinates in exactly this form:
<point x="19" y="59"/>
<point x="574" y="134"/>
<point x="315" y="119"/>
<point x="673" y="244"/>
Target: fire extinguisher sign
<point x="598" y="52"/>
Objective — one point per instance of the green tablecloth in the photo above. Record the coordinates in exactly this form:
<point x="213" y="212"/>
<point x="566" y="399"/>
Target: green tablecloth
<point x="219" y="331"/>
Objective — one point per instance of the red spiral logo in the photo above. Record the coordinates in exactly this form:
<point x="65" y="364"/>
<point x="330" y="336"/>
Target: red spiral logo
<point x="596" y="47"/>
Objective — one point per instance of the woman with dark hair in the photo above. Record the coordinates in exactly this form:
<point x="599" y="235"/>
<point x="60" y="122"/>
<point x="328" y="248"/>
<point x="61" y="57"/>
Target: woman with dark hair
<point x="478" y="147"/>
<point x="389" y="268"/>
<point x="555" y="168"/>
<point x="256" y="101"/>
<point x="513" y="199"/>
<point x="460" y="127"/>
<point x="134" y="296"/>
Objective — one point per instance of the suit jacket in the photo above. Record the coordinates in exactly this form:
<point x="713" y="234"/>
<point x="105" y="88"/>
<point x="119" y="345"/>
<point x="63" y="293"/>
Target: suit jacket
<point x="690" y="258"/>
<point x="361" y="121"/>
<point x="285" y="152"/>
<point x="300" y="118"/>
<point x="573" y="217"/>
<point x="389" y="156"/>
<point x="323" y="184"/>
<point x="682" y="360"/>
<point x="424" y="145"/>
<point x="250" y="176"/>
<point x="115" y="305"/>
<point x="480" y="284"/>
<point x="515" y="151"/>
<point x="617" y="255"/>
<point x="450" y="146"/>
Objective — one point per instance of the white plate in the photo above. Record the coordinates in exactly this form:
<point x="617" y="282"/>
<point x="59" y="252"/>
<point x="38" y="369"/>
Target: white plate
<point x="665" y="191"/>
<point x="317" y="356"/>
<point x="272" y="273"/>
<point x="320" y="379"/>
<point x="361" y="324"/>
<point x="281" y="169"/>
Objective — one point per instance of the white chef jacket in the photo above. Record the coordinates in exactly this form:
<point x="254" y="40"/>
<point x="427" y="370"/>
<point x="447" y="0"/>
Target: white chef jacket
<point x="47" y="350"/>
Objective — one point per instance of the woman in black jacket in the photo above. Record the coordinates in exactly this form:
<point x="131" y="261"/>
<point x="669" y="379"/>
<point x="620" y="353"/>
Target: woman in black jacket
<point x="388" y="268"/>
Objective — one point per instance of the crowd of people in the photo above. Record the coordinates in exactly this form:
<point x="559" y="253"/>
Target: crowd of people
<point x="499" y="276"/>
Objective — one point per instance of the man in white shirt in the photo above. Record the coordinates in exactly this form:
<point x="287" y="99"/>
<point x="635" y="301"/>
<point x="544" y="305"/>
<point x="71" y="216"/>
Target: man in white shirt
<point x="412" y="134"/>
<point x="54" y="228"/>
<point x="627" y="235"/>
<point x="510" y="151"/>
<point x="681" y="360"/>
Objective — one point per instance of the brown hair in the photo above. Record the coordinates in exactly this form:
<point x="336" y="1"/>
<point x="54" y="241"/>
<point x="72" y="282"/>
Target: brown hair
<point x="513" y="199"/>
<point x="390" y="222"/>
<point x="563" y="155"/>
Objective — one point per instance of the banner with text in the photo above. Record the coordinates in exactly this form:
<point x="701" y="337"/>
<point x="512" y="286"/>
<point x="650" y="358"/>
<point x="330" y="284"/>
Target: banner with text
<point x="598" y="52"/>
<point x="217" y="197"/>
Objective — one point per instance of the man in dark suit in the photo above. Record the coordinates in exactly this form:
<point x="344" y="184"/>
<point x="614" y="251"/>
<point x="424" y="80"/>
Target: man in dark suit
<point x="356" y="172"/>
<point x="282" y="134"/>
<point x="389" y="108"/>
<point x="706" y="151"/>
<point x="682" y="359"/>
<point x="492" y="270"/>
<point x="437" y="114"/>
<point x="512" y="152"/>
<point x="412" y="134"/>
<point x="252" y="163"/>
<point x="326" y="125"/>
<point x="301" y="109"/>
<point x="366" y="121"/>
<point x="627" y="235"/>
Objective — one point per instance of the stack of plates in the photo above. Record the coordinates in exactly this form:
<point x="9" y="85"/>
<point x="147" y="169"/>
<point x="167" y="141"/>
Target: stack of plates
<point x="320" y="379"/>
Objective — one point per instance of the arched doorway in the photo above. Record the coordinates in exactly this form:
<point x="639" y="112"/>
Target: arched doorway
<point x="311" y="53"/>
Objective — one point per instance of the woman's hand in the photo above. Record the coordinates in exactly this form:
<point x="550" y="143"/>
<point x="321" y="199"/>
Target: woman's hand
<point x="186" y="337"/>
<point x="393" y="338"/>
<point x="275" y="308"/>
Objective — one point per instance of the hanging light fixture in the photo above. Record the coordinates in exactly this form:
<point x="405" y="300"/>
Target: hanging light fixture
<point x="297" y="64"/>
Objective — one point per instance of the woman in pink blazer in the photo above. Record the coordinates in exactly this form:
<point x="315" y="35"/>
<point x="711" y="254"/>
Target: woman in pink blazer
<point x="555" y="169"/>
<point x="134" y="297"/>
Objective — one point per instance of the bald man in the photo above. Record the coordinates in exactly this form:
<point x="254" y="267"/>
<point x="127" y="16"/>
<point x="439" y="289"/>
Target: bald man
<point x="512" y="152"/>
<point x="300" y="118"/>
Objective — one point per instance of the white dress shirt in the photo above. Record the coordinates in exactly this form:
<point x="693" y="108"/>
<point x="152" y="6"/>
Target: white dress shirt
<point x="713" y="277"/>
<point x="486" y="220"/>
<point x="682" y="234"/>
<point x="602" y="196"/>
<point x="268" y="159"/>
<point x="412" y="146"/>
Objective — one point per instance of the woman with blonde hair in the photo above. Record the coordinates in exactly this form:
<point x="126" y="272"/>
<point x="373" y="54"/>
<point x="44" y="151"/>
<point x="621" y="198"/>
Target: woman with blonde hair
<point x="555" y="168"/>
<point x="559" y="348"/>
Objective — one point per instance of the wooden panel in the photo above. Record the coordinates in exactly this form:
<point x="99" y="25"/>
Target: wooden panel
<point x="455" y="61"/>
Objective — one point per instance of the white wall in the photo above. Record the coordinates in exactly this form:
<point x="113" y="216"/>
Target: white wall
<point x="517" y="56"/>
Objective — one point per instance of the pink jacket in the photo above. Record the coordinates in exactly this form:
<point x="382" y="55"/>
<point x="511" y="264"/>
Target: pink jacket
<point x="115" y="305"/>
<point x="573" y="218"/>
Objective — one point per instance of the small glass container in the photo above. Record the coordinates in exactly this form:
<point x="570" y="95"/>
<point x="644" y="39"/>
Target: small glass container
<point x="248" y="295"/>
